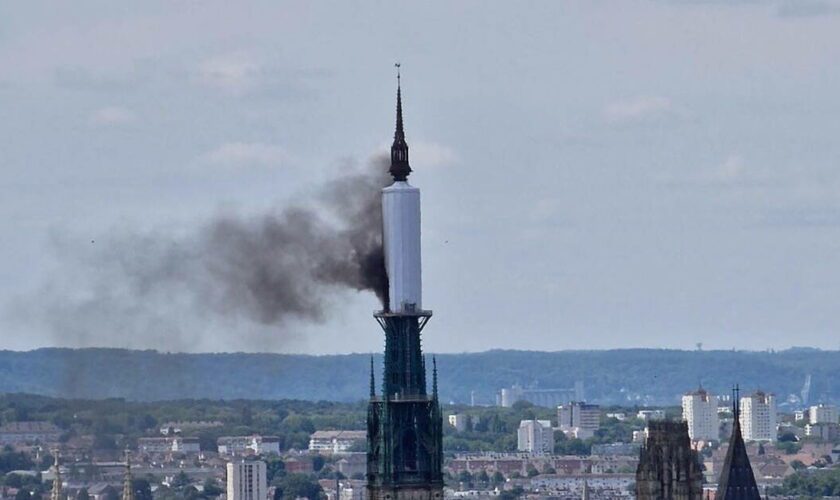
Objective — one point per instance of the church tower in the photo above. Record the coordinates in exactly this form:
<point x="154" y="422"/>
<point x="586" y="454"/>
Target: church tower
<point x="404" y="422"/>
<point x="737" y="481"/>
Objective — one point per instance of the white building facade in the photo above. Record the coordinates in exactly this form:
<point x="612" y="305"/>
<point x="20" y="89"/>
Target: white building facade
<point x="758" y="417"/>
<point x="699" y="410"/>
<point x="822" y="414"/>
<point x="535" y="436"/>
<point x="246" y="480"/>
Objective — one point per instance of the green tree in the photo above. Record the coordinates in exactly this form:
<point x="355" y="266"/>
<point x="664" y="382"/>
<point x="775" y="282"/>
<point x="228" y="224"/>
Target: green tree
<point x="142" y="489"/>
<point x="211" y="488"/>
<point x="23" y="494"/>
<point x="300" y="486"/>
<point x="83" y="494"/>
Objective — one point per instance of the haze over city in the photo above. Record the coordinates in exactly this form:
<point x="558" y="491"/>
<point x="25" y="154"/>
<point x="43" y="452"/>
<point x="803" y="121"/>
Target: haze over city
<point x="595" y="174"/>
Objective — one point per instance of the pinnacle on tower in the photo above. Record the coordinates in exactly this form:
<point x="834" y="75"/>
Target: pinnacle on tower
<point x="128" y="487"/>
<point x="57" y="493"/>
<point x="399" y="149"/>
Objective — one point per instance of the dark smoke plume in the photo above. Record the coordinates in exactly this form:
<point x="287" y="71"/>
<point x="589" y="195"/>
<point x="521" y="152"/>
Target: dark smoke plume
<point x="266" y="269"/>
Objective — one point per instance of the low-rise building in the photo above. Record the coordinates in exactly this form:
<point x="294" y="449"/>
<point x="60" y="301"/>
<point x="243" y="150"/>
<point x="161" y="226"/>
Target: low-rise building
<point x="28" y="432"/>
<point x="648" y="415"/>
<point x="177" y="427"/>
<point x="248" y="445"/>
<point x="168" y="444"/>
<point x="329" y="442"/>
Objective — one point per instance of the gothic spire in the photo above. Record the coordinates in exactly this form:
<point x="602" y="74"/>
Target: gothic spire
<point x="399" y="149"/>
<point x="57" y="493"/>
<point x="737" y="481"/>
<point x="128" y="487"/>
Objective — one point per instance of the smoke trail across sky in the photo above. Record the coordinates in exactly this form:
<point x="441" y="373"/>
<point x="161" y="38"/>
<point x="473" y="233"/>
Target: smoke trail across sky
<point x="267" y="269"/>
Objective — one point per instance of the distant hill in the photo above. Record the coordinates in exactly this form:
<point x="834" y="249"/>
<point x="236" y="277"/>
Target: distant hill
<point x="627" y="376"/>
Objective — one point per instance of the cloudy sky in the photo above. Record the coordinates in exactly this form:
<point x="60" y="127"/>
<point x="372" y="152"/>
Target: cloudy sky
<point x="595" y="174"/>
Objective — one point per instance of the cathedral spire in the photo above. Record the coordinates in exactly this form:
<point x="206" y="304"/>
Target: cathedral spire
<point x="128" y="487"/>
<point x="399" y="149"/>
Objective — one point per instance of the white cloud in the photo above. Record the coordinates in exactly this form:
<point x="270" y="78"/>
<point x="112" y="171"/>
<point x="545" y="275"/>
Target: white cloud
<point x="638" y="109"/>
<point x="246" y="153"/>
<point x="113" y="115"/>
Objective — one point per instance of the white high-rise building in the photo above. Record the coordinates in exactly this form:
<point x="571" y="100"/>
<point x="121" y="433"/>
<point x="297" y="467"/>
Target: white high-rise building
<point x="535" y="436"/>
<point x="822" y="414"/>
<point x="699" y="409"/>
<point x="246" y="480"/>
<point x="579" y="419"/>
<point x="758" y="417"/>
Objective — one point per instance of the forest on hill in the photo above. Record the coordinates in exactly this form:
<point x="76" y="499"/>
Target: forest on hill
<point x="625" y="376"/>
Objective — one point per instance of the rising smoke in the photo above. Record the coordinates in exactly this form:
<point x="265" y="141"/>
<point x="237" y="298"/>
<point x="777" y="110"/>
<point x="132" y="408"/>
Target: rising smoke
<point x="268" y="269"/>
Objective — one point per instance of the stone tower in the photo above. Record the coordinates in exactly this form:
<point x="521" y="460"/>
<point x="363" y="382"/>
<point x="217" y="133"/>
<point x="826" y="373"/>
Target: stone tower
<point x="669" y="469"/>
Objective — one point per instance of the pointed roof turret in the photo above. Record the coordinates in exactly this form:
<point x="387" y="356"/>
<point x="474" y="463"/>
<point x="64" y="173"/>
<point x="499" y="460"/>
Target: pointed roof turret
<point x="737" y="481"/>
<point x="399" y="149"/>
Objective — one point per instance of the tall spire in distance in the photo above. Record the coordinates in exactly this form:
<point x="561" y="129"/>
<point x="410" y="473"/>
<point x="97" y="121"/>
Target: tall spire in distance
<point x="399" y="149"/>
<point x="57" y="493"/>
<point x="128" y="487"/>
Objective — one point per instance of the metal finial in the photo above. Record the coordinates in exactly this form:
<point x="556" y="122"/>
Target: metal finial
<point x="397" y="65"/>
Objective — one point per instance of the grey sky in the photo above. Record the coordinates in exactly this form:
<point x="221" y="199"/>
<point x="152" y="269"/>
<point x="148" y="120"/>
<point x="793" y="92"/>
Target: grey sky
<point x="595" y="174"/>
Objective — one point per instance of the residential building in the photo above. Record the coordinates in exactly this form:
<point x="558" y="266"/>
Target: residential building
<point x="668" y="466"/>
<point x="699" y="410"/>
<point x="27" y="432"/>
<point x="822" y="414"/>
<point x="177" y="427"/>
<point x="248" y="445"/>
<point x="168" y="444"/>
<point x="648" y="415"/>
<point x="758" y="417"/>
<point x="535" y="436"/>
<point x="336" y="441"/>
<point x="458" y="421"/>
<point x="579" y="419"/>
<point x="246" y="480"/>
<point x="825" y="431"/>
<point x="548" y="398"/>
